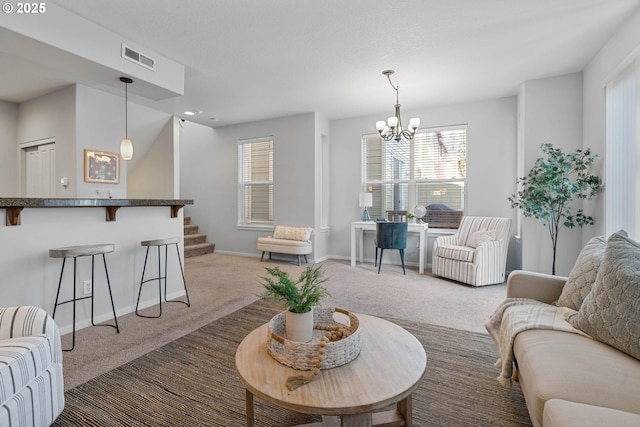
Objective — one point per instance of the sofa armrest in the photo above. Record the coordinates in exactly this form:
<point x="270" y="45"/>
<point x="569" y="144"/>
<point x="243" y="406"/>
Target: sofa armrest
<point x="538" y="286"/>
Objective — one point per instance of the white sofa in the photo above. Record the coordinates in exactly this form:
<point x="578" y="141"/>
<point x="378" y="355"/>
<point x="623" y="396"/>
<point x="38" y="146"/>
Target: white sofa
<point x="31" y="382"/>
<point x="287" y="240"/>
<point x="573" y="380"/>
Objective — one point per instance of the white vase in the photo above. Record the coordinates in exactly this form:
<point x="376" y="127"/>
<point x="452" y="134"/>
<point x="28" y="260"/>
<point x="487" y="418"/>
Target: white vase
<point x="299" y="326"/>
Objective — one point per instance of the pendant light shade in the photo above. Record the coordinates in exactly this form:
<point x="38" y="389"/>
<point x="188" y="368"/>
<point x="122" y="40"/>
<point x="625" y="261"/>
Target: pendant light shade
<point x="126" y="145"/>
<point x="126" y="149"/>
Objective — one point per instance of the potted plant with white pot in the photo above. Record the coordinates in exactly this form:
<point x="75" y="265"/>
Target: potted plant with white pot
<point x="299" y="297"/>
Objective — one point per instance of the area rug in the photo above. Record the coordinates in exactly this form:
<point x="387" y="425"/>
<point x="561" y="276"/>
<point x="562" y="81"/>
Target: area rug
<point x="192" y="382"/>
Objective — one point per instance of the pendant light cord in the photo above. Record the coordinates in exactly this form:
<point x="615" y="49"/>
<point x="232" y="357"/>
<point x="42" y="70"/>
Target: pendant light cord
<point x="126" y="110"/>
<point x="127" y="81"/>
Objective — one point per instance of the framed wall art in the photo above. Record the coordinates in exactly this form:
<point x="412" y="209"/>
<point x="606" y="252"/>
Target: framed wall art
<point x="101" y="166"/>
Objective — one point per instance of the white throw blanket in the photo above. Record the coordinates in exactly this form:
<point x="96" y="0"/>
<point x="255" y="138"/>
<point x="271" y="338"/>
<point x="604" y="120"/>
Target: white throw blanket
<point x="515" y="315"/>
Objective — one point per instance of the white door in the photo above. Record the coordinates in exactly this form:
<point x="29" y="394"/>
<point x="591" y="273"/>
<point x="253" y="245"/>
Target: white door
<point x="41" y="170"/>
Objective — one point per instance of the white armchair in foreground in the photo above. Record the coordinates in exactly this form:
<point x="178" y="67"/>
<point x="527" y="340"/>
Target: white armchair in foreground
<point x="31" y="382"/>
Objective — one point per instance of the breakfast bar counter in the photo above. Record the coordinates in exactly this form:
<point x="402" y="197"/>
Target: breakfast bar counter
<point x="14" y="206"/>
<point x="31" y="227"/>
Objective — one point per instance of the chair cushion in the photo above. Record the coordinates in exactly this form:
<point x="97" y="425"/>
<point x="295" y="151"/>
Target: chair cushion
<point x="291" y="247"/>
<point x="21" y="361"/>
<point x="302" y="234"/>
<point x="561" y="413"/>
<point x="481" y="236"/>
<point x="458" y="253"/>
<point x="610" y="312"/>
<point x="583" y="274"/>
<point x="561" y="365"/>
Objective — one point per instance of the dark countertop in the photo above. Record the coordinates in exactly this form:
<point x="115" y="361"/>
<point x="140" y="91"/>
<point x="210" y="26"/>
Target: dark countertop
<point x="31" y="202"/>
<point x="14" y="205"/>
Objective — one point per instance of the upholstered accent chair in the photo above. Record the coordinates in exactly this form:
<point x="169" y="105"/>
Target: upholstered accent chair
<point x="476" y="254"/>
<point x="391" y="235"/>
<point x="31" y="382"/>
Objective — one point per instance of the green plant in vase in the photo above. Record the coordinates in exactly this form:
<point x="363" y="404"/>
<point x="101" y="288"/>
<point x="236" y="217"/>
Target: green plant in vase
<point x="298" y="296"/>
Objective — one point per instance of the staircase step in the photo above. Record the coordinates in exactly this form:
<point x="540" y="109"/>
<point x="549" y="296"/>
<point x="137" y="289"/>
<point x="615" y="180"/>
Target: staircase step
<point x="187" y="220"/>
<point x="194" y="239"/>
<point x="190" y="229"/>
<point x="198" y="249"/>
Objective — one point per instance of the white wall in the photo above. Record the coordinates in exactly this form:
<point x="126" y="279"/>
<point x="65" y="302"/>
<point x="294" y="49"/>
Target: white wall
<point x="153" y="176"/>
<point x="551" y="113"/>
<point x="623" y="44"/>
<point x="101" y="125"/>
<point x="209" y="165"/>
<point x="8" y="149"/>
<point x="491" y="165"/>
<point x="322" y="236"/>
<point x="52" y="116"/>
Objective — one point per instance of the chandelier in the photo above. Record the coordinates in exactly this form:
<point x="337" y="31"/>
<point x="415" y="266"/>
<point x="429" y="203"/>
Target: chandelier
<point x="392" y="128"/>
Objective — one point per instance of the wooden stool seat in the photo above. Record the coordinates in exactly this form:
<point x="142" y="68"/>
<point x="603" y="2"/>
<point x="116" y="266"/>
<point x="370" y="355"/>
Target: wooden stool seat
<point x="75" y="252"/>
<point x="84" y="250"/>
<point x="161" y="242"/>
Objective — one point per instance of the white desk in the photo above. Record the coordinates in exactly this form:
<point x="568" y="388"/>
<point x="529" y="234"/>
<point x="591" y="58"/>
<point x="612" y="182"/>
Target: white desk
<point x="357" y="230"/>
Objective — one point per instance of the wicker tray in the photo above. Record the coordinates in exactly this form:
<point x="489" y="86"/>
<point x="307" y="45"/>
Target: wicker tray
<point x="304" y="355"/>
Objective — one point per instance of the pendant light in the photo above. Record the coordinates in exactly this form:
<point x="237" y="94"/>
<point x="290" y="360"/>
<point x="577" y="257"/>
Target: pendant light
<point x="126" y="146"/>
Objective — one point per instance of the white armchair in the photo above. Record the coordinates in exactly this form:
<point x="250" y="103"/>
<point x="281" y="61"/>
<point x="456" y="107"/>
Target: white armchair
<point x="476" y="254"/>
<point x="31" y="382"/>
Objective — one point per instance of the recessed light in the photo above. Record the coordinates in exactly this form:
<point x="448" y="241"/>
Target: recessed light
<point x="193" y="112"/>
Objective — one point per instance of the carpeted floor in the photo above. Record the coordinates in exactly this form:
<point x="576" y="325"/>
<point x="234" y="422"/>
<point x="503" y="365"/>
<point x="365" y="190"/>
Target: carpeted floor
<point x="192" y="382"/>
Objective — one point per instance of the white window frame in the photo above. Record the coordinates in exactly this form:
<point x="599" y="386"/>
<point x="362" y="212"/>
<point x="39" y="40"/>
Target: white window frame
<point x="243" y="221"/>
<point x="412" y="181"/>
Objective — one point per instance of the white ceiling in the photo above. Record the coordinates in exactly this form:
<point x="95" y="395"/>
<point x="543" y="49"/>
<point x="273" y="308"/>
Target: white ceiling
<point x="247" y="60"/>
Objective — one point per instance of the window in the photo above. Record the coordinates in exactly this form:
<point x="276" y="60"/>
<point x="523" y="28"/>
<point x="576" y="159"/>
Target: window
<point x="429" y="171"/>
<point x="255" y="181"/>
<point x="622" y="181"/>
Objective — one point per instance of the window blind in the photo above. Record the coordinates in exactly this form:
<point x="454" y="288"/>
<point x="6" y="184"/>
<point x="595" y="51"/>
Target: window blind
<point x="429" y="170"/>
<point x="255" y="158"/>
<point x="622" y="150"/>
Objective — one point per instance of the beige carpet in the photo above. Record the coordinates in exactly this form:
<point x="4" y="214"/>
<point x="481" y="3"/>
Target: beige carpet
<point x="221" y="284"/>
<point x="192" y="382"/>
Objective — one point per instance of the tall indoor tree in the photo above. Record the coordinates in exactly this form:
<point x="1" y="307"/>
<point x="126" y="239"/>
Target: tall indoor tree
<point x="548" y="191"/>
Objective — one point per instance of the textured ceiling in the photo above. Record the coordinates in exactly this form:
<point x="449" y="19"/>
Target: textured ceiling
<point x="247" y="60"/>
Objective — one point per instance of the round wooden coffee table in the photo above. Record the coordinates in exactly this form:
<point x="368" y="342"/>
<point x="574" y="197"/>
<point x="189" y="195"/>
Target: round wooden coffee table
<point x="389" y="368"/>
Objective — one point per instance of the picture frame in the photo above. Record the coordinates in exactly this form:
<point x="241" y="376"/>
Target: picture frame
<point x="101" y="166"/>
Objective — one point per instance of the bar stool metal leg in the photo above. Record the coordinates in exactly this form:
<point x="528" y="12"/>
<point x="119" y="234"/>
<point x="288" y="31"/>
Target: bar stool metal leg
<point x="161" y="277"/>
<point x="75" y="296"/>
<point x="113" y="306"/>
<point x="142" y="282"/>
<point x="184" y="282"/>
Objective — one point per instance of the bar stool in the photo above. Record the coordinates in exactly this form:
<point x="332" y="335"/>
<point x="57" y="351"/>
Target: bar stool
<point x="75" y="252"/>
<point x="159" y="243"/>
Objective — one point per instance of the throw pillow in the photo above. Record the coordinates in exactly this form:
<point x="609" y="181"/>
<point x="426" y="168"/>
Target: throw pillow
<point x="302" y="234"/>
<point x="583" y="274"/>
<point x="480" y="236"/>
<point x="611" y="311"/>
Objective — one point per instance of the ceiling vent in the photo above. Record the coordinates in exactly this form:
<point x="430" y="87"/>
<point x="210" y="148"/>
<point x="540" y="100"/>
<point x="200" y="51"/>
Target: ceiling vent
<point x="139" y="58"/>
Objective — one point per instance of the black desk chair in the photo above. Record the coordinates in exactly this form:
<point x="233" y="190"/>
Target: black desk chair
<point x="391" y="235"/>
